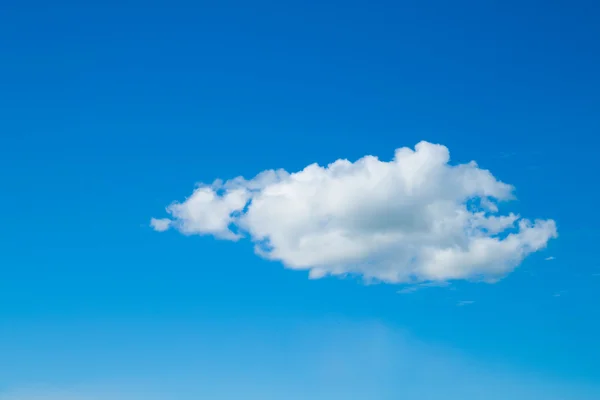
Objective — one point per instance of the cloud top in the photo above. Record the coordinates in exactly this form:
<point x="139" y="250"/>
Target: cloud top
<point x="416" y="218"/>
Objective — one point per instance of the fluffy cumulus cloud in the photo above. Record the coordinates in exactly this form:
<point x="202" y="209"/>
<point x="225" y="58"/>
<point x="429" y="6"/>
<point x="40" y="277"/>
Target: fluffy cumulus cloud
<point x="416" y="218"/>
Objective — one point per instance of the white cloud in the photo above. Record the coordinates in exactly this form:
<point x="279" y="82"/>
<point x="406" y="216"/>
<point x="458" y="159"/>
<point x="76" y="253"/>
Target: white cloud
<point x="465" y="303"/>
<point x="413" y="219"/>
<point x="550" y="258"/>
<point x="160" y="225"/>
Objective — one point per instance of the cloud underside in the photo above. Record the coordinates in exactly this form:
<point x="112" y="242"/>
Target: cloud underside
<point x="416" y="218"/>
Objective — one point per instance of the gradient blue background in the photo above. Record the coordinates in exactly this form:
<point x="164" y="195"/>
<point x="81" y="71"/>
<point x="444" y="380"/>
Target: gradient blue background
<point x="111" y="110"/>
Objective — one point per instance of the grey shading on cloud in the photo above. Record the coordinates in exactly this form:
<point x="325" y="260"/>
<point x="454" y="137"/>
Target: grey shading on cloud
<point x="414" y="219"/>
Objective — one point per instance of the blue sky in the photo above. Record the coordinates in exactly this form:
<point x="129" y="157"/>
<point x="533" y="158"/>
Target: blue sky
<point x="110" y="111"/>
